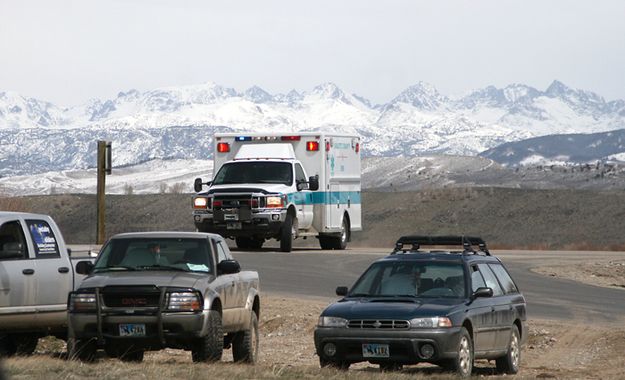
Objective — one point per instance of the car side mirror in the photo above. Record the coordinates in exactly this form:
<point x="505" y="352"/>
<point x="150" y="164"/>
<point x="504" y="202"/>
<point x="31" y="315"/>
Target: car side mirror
<point x="483" y="292"/>
<point x="341" y="291"/>
<point x="84" y="267"/>
<point x="228" y="267"/>
<point x="313" y="183"/>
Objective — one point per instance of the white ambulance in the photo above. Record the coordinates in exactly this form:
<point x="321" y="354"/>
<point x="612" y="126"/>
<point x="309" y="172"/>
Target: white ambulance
<point x="282" y="186"/>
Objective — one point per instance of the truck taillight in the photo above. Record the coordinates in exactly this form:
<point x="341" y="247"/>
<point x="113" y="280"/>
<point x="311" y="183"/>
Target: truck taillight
<point x="290" y="138"/>
<point x="357" y="148"/>
<point x="223" y="147"/>
<point x="312" y="146"/>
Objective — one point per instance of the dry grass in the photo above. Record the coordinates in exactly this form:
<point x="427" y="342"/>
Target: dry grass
<point x="555" y="349"/>
<point x="11" y="203"/>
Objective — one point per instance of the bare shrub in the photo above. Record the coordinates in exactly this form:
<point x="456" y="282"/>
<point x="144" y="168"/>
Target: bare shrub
<point x="162" y="188"/>
<point x="177" y="188"/>
<point x="129" y="189"/>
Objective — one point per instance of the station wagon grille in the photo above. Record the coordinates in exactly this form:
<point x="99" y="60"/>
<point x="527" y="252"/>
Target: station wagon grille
<point x="377" y="324"/>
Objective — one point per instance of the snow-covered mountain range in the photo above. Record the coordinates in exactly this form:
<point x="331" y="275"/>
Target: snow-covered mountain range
<point x="178" y="122"/>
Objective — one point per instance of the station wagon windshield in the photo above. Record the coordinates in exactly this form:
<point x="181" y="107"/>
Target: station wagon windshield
<point x="178" y="254"/>
<point x="255" y="172"/>
<point x="411" y="279"/>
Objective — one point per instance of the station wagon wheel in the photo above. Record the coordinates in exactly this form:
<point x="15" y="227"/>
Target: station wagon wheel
<point x="464" y="359"/>
<point x="510" y="362"/>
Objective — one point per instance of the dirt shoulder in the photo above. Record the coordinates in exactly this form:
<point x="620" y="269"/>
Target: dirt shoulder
<point x="555" y="349"/>
<point x="605" y="273"/>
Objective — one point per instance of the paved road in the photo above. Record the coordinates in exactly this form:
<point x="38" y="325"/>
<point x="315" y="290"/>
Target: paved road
<point x="313" y="272"/>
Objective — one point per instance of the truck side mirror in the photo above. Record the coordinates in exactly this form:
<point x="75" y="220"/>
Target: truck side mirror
<point x="197" y="185"/>
<point x="313" y="183"/>
<point x="341" y="291"/>
<point x="228" y="267"/>
<point x="84" y="267"/>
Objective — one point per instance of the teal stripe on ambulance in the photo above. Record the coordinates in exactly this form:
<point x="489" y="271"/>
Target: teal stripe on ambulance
<point x="325" y="197"/>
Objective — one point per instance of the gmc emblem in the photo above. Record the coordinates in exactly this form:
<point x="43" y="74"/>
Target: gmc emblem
<point x="134" y="301"/>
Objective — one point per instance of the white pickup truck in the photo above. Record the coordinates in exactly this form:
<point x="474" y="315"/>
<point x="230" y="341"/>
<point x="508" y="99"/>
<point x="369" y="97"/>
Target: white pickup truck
<point x="36" y="276"/>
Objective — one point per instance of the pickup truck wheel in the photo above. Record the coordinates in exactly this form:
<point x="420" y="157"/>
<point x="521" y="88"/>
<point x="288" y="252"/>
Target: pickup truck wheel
<point x="286" y="234"/>
<point x="80" y="349"/>
<point x="510" y="362"/>
<point x="25" y="344"/>
<point x="243" y="242"/>
<point x="245" y="343"/>
<point x="325" y="242"/>
<point x="210" y="347"/>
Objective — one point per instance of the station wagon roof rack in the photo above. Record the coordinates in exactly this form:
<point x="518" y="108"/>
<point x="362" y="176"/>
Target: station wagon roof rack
<point x="467" y="243"/>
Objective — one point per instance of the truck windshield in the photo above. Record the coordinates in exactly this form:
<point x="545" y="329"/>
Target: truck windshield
<point x="255" y="172"/>
<point x="411" y="278"/>
<point x="179" y="254"/>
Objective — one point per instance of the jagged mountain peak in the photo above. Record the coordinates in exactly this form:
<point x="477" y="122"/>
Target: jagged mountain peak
<point x="257" y="95"/>
<point x="421" y="95"/>
<point x="328" y="90"/>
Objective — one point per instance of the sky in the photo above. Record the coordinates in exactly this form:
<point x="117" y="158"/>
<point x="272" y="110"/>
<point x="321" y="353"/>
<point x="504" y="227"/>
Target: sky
<point x="67" y="51"/>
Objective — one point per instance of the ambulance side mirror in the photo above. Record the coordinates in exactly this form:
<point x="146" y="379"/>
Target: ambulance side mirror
<point x="313" y="183"/>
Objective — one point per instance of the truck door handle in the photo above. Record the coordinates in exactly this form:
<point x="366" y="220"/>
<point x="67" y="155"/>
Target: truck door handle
<point x="28" y="271"/>
<point x="63" y="269"/>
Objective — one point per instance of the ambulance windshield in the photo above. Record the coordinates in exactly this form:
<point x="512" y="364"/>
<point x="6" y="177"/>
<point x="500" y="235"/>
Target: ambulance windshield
<point x="255" y="172"/>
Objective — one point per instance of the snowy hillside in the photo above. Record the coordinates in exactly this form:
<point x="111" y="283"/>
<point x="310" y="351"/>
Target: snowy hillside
<point x="178" y="122"/>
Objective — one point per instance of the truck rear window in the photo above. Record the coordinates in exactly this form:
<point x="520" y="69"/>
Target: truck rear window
<point x="43" y="238"/>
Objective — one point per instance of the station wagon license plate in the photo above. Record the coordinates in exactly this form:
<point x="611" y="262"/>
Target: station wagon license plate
<point x="375" y="350"/>
<point x="132" y="329"/>
<point x="233" y="226"/>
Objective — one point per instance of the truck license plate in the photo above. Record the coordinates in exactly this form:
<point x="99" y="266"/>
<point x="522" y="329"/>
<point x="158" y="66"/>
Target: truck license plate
<point x="132" y="329"/>
<point x="375" y="350"/>
<point x="231" y="217"/>
<point x="233" y="226"/>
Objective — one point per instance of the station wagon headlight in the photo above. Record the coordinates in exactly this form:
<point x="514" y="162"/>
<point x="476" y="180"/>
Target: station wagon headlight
<point x="183" y="301"/>
<point x="431" y="322"/>
<point x="82" y="302"/>
<point x="332" y="322"/>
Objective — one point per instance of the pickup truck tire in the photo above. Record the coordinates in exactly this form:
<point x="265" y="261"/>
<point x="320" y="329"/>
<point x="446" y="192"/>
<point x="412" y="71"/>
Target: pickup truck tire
<point x="245" y="343"/>
<point x="209" y="348"/>
<point x="286" y="234"/>
<point x="81" y="349"/>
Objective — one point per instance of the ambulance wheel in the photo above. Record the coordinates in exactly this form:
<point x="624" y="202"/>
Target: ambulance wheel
<point x="286" y="234"/>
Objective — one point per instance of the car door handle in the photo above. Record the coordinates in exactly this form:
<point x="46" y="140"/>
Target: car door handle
<point x="63" y="269"/>
<point x="28" y="271"/>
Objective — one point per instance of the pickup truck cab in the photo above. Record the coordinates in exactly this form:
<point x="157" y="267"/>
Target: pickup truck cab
<point x="36" y="275"/>
<point x="152" y="290"/>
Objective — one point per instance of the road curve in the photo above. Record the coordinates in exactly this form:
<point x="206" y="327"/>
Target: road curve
<point x="315" y="272"/>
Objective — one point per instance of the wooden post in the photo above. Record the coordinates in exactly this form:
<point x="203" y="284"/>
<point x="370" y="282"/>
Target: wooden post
<point x="101" y="209"/>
